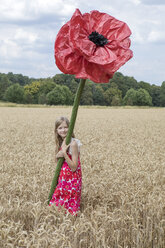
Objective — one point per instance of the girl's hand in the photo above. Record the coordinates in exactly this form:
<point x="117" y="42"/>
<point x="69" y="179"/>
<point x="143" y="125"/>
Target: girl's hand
<point x="64" y="147"/>
<point x="60" y="154"/>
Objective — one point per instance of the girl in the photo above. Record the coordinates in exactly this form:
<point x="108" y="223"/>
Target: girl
<point x="68" y="190"/>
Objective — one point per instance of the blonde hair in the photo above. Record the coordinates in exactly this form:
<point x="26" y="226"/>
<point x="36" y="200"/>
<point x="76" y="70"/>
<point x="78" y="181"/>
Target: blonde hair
<point x="58" y="139"/>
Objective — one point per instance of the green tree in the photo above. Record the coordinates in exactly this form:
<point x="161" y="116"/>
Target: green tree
<point x="18" y="78"/>
<point x="87" y="96"/>
<point x="98" y="95"/>
<point x="105" y="86"/>
<point x="162" y="94"/>
<point x="12" y="77"/>
<point x="15" y="93"/>
<point x="68" y="95"/>
<point x="113" y="96"/>
<point x="116" y="101"/>
<point x="124" y="83"/>
<point x="60" y="95"/>
<point x="113" y="85"/>
<point x="145" y="86"/>
<point x="56" y="96"/>
<point x="143" y="98"/>
<point x="66" y="80"/>
<point x="46" y="86"/>
<point x="4" y="84"/>
<point x="130" y="97"/>
<point x="31" y="92"/>
<point x="42" y="98"/>
<point x="73" y="86"/>
<point x="155" y="94"/>
<point x="60" y="79"/>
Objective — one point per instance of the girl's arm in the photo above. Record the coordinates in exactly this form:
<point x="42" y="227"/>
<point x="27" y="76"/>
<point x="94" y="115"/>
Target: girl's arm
<point x="74" y="162"/>
<point x="59" y="155"/>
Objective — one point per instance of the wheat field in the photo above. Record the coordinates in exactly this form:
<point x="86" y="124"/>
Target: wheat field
<point x="123" y="167"/>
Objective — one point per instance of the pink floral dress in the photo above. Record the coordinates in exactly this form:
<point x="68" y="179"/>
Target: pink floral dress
<point x="68" y="190"/>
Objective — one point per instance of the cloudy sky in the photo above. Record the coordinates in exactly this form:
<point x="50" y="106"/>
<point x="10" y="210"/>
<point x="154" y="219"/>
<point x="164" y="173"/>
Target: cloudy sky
<point x="28" y="29"/>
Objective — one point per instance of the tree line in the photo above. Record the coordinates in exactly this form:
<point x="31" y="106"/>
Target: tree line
<point x="61" y="89"/>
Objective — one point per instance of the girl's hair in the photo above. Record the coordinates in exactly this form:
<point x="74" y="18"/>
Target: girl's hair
<point x="58" y="139"/>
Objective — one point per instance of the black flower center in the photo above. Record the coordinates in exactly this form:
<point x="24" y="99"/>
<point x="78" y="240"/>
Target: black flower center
<point x="98" y="39"/>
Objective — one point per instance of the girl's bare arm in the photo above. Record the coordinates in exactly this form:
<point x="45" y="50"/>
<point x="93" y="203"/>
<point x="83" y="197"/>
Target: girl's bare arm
<point x="74" y="162"/>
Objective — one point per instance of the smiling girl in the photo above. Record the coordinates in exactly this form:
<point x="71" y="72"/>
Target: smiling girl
<point x="68" y="190"/>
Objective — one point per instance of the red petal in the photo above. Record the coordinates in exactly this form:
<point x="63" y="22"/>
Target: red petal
<point x="78" y="35"/>
<point x="76" y="54"/>
<point x="98" y="21"/>
<point x="93" y="72"/>
<point x="102" y="56"/>
<point x="65" y="56"/>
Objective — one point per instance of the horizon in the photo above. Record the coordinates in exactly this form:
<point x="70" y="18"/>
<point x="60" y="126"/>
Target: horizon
<point x="73" y="75"/>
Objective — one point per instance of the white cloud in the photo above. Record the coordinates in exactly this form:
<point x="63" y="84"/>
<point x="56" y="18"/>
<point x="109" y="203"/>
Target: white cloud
<point x="153" y="2"/>
<point x="136" y="2"/>
<point x="25" y="36"/>
<point x="9" y="49"/>
<point x="34" y="9"/>
<point x="14" y="11"/>
<point x="61" y="7"/>
<point x="156" y="35"/>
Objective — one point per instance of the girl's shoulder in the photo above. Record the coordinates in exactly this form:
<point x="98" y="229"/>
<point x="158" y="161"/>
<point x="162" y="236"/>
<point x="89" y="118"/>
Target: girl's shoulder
<point x="78" y="142"/>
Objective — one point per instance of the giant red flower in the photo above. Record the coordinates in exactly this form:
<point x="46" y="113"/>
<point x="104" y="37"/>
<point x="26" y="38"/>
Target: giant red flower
<point x="92" y="45"/>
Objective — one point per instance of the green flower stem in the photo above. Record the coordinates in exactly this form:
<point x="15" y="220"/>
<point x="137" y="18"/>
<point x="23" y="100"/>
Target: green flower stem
<point x="68" y="137"/>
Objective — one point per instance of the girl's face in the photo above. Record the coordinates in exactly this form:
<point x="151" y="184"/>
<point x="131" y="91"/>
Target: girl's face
<point x="62" y="129"/>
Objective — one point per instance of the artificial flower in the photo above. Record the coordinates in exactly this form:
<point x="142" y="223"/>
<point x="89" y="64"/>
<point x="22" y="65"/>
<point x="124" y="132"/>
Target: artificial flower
<point x="92" y="45"/>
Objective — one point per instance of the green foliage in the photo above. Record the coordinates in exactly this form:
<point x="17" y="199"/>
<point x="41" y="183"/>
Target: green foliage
<point x="130" y="97"/>
<point x="42" y="98"/>
<point x="15" y="93"/>
<point x="66" y="80"/>
<point x="124" y="83"/>
<point x="98" y="96"/>
<point x="113" y="96"/>
<point x="18" y="78"/>
<point x="87" y="96"/>
<point x="32" y="92"/>
<point x="162" y="95"/>
<point x="4" y="84"/>
<point x="139" y="97"/>
<point x="68" y="95"/>
<point x="46" y="86"/>
<point x="73" y="86"/>
<point x="143" y="98"/>
<point x="145" y="86"/>
<point x="56" y="96"/>
<point x="116" y="100"/>
<point x="115" y="92"/>
<point x="155" y="94"/>
<point x="60" y="79"/>
<point x="60" y="95"/>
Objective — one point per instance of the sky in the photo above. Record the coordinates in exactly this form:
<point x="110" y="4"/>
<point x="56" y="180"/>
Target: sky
<point x="28" y="30"/>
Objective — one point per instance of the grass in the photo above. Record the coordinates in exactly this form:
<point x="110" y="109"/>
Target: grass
<point x="10" y="104"/>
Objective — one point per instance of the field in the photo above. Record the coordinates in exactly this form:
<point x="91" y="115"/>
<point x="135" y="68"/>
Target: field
<point x="123" y="166"/>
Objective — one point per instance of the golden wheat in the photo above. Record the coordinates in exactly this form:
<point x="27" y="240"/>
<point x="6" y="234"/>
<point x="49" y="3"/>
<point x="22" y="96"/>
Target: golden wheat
<point x="123" y="165"/>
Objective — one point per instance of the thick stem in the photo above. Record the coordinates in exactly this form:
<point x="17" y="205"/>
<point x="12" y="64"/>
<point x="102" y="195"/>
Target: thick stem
<point x="68" y="137"/>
